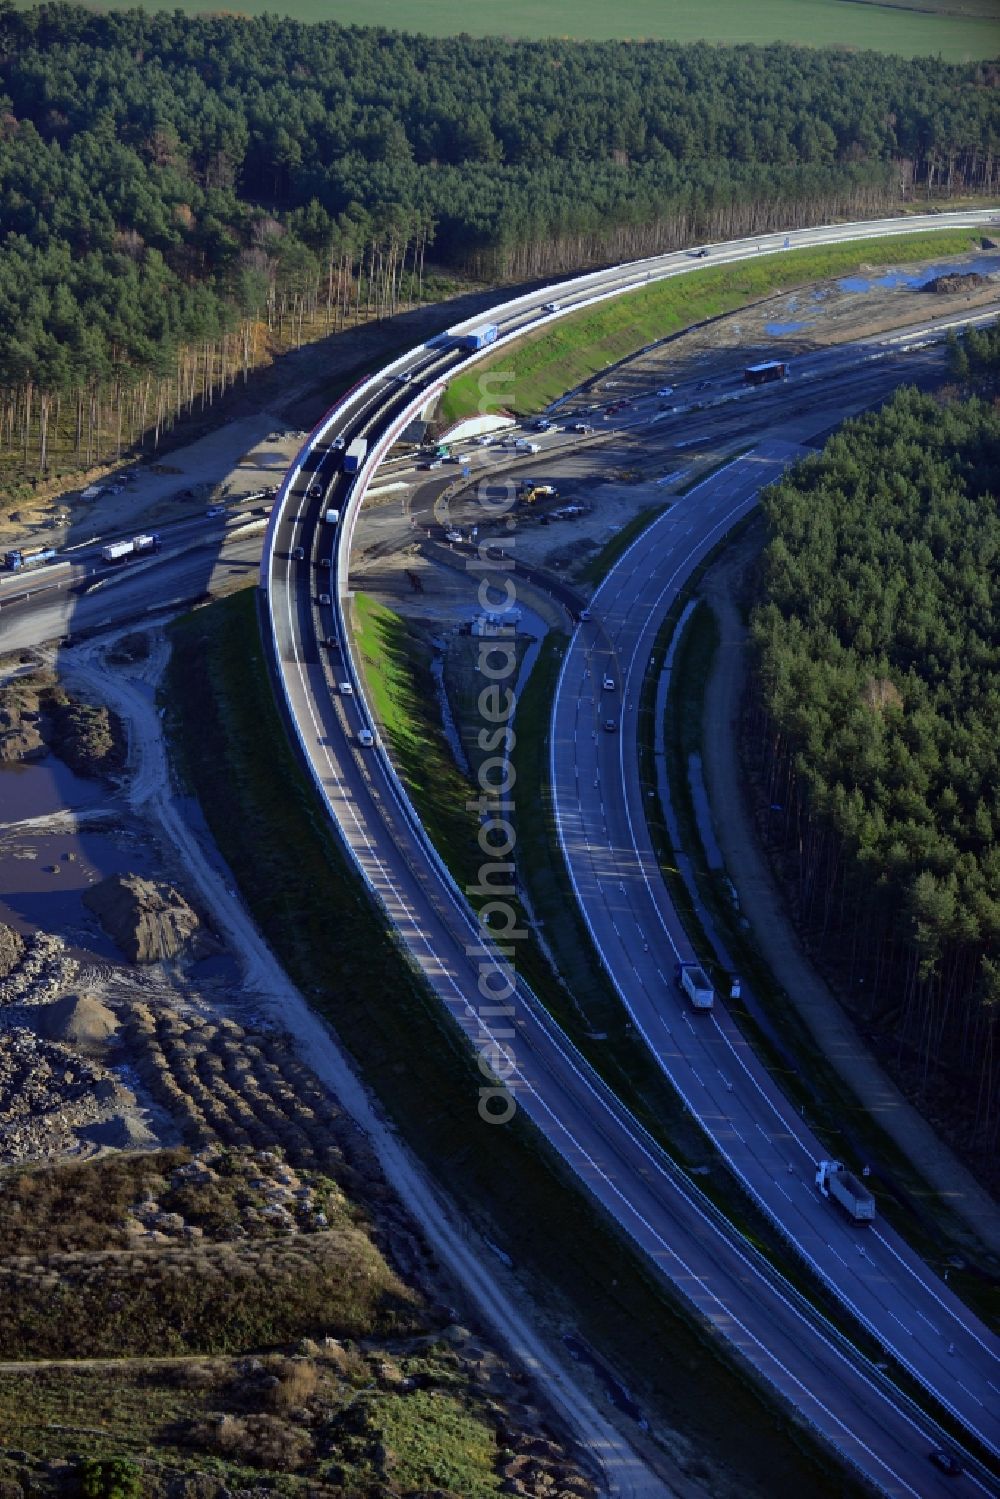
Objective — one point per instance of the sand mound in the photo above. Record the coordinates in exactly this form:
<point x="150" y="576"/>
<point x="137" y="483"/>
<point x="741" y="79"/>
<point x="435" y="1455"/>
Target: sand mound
<point x="147" y="918"/>
<point x="120" y="1132"/>
<point x="79" y="1020"/>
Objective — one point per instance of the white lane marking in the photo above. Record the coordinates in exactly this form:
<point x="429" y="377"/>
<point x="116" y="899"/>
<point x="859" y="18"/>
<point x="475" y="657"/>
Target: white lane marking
<point x="885" y="231"/>
<point x="741" y="506"/>
<point x="927" y="1285"/>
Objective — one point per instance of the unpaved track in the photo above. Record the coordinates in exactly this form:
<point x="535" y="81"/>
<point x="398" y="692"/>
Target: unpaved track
<point x="151" y="796"/>
<point x="765" y="909"/>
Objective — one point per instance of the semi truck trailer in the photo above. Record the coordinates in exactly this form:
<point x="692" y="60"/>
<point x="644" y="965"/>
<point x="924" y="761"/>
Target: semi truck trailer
<point x="763" y="374"/>
<point x="834" y="1180"/>
<point x="478" y="338"/>
<point x="120" y="551"/>
<point x="696" y="986"/>
<point x="21" y="557"/>
<point x="355" y="455"/>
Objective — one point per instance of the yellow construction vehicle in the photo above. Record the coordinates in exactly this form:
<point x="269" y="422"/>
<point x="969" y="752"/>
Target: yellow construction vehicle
<point x="530" y="493"/>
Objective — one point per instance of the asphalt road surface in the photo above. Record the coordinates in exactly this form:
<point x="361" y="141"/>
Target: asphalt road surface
<point x="836" y="1389"/>
<point x="599" y="810"/>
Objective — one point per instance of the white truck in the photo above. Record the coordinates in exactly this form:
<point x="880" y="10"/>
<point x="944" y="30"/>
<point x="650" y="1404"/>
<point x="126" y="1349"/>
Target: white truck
<point x="332" y="517"/>
<point x="478" y="338"/>
<point x="120" y="551"/>
<point x="355" y="455"/>
<point x="696" y="986"/>
<point x="834" y="1180"/>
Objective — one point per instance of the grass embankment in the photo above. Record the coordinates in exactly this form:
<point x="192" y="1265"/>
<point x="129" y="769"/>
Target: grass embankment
<point x="379" y="1405"/>
<point x="581" y="344"/>
<point x="339" y="950"/>
<point x="395" y="658"/>
<point x="326" y="1422"/>
<point x="805" y="1074"/>
<point x="80" y="1277"/>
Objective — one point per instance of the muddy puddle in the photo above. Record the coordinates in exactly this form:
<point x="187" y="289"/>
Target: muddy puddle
<point x="983" y="265"/>
<point x="67" y="838"/>
<point x="42" y="788"/>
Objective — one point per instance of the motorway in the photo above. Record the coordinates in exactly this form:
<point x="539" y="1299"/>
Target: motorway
<point x="80" y="594"/>
<point x="598" y="800"/>
<point x="776" y="1332"/>
<point x="836" y="1390"/>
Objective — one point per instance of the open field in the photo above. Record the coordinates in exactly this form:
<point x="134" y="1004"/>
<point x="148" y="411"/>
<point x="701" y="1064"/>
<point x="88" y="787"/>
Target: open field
<point x="968" y="30"/>
<point x="583" y="343"/>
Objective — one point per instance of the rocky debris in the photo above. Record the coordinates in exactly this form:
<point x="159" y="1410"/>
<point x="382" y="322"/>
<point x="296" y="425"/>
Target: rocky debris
<point x="129" y="649"/>
<point x="21" y="736"/>
<point x="224" y="1084"/>
<point x="11" y="950"/>
<point x="241" y="1195"/>
<point x="149" y="919"/>
<point x="952" y="284"/>
<point x="80" y="1021"/>
<point x="44" y="971"/>
<point x="45" y="1095"/>
<point x="87" y="736"/>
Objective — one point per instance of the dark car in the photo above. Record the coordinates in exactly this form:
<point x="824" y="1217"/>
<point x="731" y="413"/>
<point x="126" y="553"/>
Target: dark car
<point x="946" y="1461"/>
<point x="316" y="491"/>
<point x="611" y="724"/>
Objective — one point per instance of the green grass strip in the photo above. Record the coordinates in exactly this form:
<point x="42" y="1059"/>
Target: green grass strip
<point x="547" y="364"/>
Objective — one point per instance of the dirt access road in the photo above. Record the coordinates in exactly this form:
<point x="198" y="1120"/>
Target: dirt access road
<point x="151" y="795"/>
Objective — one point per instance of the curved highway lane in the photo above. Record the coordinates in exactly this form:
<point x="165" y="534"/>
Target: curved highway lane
<point x="598" y="801"/>
<point x="822" y="1376"/>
